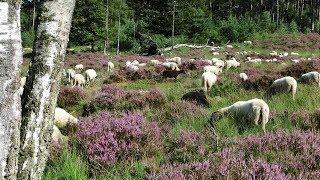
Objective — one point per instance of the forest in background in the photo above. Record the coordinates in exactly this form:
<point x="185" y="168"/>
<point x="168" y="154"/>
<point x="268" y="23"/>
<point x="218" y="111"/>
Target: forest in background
<point x="98" y="23"/>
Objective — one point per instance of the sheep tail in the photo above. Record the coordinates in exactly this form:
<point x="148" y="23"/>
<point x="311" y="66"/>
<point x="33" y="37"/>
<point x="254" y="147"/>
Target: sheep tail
<point x="265" y="116"/>
<point x="204" y="84"/>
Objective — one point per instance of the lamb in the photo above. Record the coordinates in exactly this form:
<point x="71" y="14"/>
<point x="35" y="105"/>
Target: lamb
<point x="79" y="80"/>
<point x="90" y="75"/>
<point x="310" y="77"/>
<point x="110" y="67"/>
<point x="172" y="73"/>
<point x="285" y="84"/>
<point x="175" y="60"/>
<point x="232" y="63"/>
<point x="70" y="74"/>
<point x="62" y="118"/>
<point x="171" y="65"/>
<point x="217" y="62"/>
<point x="79" y="67"/>
<point x="208" y="80"/>
<point x="253" y="60"/>
<point x="213" y="69"/>
<point x="243" y="76"/>
<point x="197" y="96"/>
<point x="251" y="110"/>
<point x="57" y="136"/>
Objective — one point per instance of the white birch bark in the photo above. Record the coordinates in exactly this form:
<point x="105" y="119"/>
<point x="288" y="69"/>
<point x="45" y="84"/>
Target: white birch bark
<point x="42" y="87"/>
<point x="10" y="101"/>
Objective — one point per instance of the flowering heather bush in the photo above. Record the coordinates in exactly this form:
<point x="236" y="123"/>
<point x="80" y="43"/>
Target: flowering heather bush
<point x="89" y="60"/>
<point x="107" y="139"/>
<point x="141" y="59"/>
<point x="296" y="70"/>
<point x="69" y="96"/>
<point x="113" y="97"/>
<point x="262" y="81"/>
<point x="193" y="65"/>
<point x="184" y="109"/>
<point x="304" y="120"/>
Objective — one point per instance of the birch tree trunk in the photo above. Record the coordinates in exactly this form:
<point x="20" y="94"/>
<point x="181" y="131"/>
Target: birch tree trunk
<point x="42" y="87"/>
<point x="10" y="101"/>
<point x="106" y="41"/>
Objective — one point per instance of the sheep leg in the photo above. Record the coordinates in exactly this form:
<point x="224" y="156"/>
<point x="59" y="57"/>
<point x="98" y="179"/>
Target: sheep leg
<point x="257" y="113"/>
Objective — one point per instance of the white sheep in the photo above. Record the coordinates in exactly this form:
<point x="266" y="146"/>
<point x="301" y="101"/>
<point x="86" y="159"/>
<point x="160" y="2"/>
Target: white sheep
<point x="252" y="110"/>
<point x="62" y="118"/>
<point x="295" y="54"/>
<point x="208" y="80"/>
<point x="217" y="62"/>
<point x="133" y="68"/>
<point x="213" y="69"/>
<point x="295" y="61"/>
<point x="110" y="67"/>
<point x="273" y="53"/>
<point x="229" y="46"/>
<point x="250" y="60"/>
<point x="79" y="67"/>
<point x="155" y="62"/>
<point x="310" y="77"/>
<point x="142" y="64"/>
<point x="171" y="65"/>
<point x="70" y="75"/>
<point x="175" y="60"/>
<point x="57" y="136"/>
<point x="243" y="76"/>
<point x="215" y="53"/>
<point x="79" y="80"/>
<point x="232" y="63"/>
<point x="135" y="63"/>
<point x="90" y="75"/>
<point x="285" y="84"/>
<point x="128" y="63"/>
<point x="248" y="42"/>
<point x="285" y="54"/>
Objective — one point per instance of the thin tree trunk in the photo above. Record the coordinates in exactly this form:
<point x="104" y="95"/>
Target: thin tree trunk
<point x="34" y="15"/>
<point x="10" y="101"/>
<point x="118" y="44"/>
<point x="278" y="12"/>
<point x="173" y="22"/>
<point x="42" y="87"/>
<point x="106" y="42"/>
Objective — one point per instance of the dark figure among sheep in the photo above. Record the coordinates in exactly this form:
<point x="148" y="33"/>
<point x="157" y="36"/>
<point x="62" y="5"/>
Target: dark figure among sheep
<point x="197" y="96"/>
<point x="172" y="73"/>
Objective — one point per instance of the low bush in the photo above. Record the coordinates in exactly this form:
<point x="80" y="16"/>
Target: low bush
<point x="70" y="96"/>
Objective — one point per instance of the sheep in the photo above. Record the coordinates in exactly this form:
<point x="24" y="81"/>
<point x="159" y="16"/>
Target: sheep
<point x="285" y="84"/>
<point x="70" y="74"/>
<point x="213" y="69"/>
<point x="273" y="53"/>
<point x="310" y="77"/>
<point x="79" y="67"/>
<point x="217" y="62"/>
<point x="62" y="118"/>
<point x="215" y="53"/>
<point x="110" y="67"/>
<point x="285" y="54"/>
<point x="172" y="73"/>
<point x="135" y="63"/>
<point x="175" y="60"/>
<point x="229" y="46"/>
<point x="128" y="63"/>
<point x="294" y="54"/>
<point x="243" y="76"/>
<point x="251" y="110"/>
<point x="57" y="136"/>
<point x="197" y="96"/>
<point x="90" y="75"/>
<point x="133" y="68"/>
<point x="142" y="64"/>
<point x="253" y="60"/>
<point x="79" y="80"/>
<point x="171" y="65"/>
<point x="295" y="61"/>
<point x="155" y="62"/>
<point x="248" y="42"/>
<point x="232" y="63"/>
<point x="208" y="80"/>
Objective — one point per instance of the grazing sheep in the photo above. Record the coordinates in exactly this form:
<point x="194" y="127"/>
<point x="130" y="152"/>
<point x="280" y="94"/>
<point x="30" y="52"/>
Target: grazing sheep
<point x="273" y="53"/>
<point x="79" y="80"/>
<point x="197" y="96"/>
<point x="57" y="136"/>
<point x="285" y="84"/>
<point x="133" y="68"/>
<point x="70" y="74"/>
<point x="208" y="80"/>
<point x="175" y="60"/>
<point x="310" y="77"/>
<point x="155" y="62"/>
<point x="62" y="118"/>
<point x="171" y="65"/>
<point x="285" y="54"/>
<point x="79" y="67"/>
<point x="217" y="62"/>
<point x="247" y="42"/>
<point x="253" y="60"/>
<point x="128" y="63"/>
<point x="295" y="54"/>
<point x="110" y="67"/>
<point x="243" y="76"/>
<point x="172" y="73"/>
<point x="229" y="46"/>
<point x="213" y="69"/>
<point x="216" y="53"/>
<point x="251" y="110"/>
<point x="142" y="64"/>
<point x="90" y="75"/>
<point x="232" y="63"/>
<point x="135" y="63"/>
